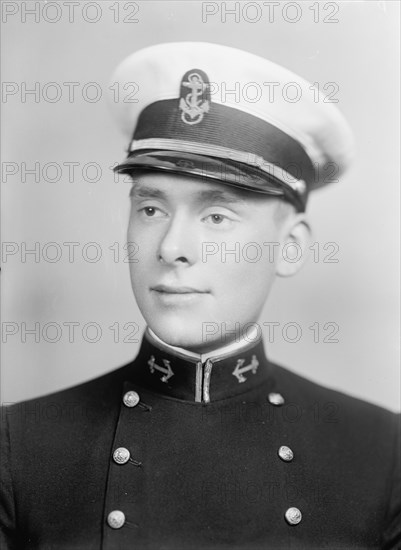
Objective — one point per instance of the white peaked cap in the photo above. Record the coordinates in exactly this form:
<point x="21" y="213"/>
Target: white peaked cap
<point x="229" y="115"/>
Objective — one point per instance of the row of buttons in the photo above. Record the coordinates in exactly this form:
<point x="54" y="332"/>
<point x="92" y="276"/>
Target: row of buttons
<point x="116" y="518"/>
<point x="122" y="455"/>
<point x="284" y="452"/>
<point x="293" y="515"/>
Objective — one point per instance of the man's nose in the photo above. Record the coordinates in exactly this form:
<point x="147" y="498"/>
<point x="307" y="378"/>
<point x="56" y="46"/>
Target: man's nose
<point x="178" y="245"/>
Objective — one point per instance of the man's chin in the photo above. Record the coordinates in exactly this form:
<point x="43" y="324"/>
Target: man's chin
<point x="188" y="336"/>
<point x="179" y="338"/>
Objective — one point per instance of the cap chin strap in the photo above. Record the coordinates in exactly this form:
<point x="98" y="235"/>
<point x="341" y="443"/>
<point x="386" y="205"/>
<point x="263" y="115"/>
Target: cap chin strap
<point x="203" y="149"/>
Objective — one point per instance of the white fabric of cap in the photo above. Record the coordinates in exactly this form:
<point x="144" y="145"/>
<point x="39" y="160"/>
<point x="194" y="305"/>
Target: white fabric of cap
<point x="157" y="71"/>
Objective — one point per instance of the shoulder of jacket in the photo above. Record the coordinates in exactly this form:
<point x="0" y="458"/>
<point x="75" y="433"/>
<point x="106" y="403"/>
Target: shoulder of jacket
<point x="305" y="391"/>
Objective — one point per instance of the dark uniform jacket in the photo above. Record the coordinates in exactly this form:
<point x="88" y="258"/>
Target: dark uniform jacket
<point x="173" y="453"/>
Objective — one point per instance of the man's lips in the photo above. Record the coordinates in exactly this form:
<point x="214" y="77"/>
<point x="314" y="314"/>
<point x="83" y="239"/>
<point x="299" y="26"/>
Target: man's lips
<point x="169" y="289"/>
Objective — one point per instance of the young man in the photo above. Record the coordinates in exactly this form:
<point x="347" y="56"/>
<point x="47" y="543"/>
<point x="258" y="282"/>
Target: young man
<point x="202" y="442"/>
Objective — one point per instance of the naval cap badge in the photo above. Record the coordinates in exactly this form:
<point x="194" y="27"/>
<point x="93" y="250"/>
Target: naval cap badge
<point x="194" y="96"/>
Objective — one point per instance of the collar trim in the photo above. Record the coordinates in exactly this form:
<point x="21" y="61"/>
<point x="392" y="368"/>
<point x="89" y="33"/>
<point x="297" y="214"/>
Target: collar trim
<point x="201" y="378"/>
<point x="252" y="338"/>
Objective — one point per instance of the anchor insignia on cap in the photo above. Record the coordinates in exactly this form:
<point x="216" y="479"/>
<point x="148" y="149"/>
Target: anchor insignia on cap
<point x="239" y="369"/>
<point x="197" y="102"/>
<point x="167" y="370"/>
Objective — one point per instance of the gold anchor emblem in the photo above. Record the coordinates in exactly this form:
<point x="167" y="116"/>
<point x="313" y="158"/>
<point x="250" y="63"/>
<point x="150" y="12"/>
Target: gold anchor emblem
<point x="192" y="105"/>
<point x="167" y="370"/>
<point x="239" y="370"/>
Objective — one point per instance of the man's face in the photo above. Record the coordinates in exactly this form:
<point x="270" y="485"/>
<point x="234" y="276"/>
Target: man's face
<point x="202" y="266"/>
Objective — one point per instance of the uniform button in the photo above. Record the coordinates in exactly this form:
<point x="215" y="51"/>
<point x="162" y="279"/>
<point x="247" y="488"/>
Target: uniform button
<point x="276" y="399"/>
<point x="116" y="519"/>
<point x="131" y="399"/>
<point x="121" y="455"/>
<point x="293" y="516"/>
<point x="285" y="453"/>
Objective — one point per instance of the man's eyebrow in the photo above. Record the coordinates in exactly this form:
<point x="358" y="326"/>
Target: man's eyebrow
<point x="220" y="195"/>
<point x="143" y="191"/>
<point x="206" y="195"/>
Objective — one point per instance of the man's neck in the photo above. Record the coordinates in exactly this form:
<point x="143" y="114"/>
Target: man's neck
<point x="251" y="338"/>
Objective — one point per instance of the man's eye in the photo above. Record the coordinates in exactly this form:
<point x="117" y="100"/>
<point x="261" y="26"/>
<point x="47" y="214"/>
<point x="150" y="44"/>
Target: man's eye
<point x="217" y="219"/>
<point x="151" y="212"/>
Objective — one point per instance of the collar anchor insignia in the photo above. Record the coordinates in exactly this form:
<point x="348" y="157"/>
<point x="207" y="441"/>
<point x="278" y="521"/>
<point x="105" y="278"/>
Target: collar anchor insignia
<point x="167" y="370"/>
<point x="239" y="370"/>
<point x="197" y="102"/>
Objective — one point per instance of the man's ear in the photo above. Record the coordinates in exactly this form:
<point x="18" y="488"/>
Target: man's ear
<point x="294" y="245"/>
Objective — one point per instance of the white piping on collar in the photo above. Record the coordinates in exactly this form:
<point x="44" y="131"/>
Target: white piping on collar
<point x="247" y="341"/>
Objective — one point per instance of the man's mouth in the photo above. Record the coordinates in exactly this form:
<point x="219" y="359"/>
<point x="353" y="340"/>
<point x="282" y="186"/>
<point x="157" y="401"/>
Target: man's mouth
<point x="172" y="289"/>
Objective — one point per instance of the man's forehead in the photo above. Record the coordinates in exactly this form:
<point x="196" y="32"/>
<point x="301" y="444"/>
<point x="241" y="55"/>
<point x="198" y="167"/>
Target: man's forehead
<point x="156" y="185"/>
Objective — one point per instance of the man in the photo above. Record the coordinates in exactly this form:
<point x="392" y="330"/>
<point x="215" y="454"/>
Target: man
<point x="202" y="442"/>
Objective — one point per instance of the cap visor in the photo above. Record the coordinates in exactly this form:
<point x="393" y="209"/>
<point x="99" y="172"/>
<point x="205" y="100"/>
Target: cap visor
<point x="228" y="172"/>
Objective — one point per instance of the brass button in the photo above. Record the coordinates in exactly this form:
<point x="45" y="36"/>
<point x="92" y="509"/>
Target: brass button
<point x="121" y="455"/>
<point x="276" y="399"/>
<point x="285" y="453"/>
<point x="116" y="519"/>
<point x="131" y="399"/>
<point x="293" y="516"/>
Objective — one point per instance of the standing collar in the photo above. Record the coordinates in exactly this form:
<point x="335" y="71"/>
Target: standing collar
<point x="248" y="342"/>
<point x="175" y="372"/>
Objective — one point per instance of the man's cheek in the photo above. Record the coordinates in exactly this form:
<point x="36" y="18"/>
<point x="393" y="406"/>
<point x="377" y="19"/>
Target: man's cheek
<point x="145" y="248"/>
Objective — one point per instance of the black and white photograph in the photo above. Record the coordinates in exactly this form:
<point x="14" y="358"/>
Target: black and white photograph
<point x="200" y="274"/>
